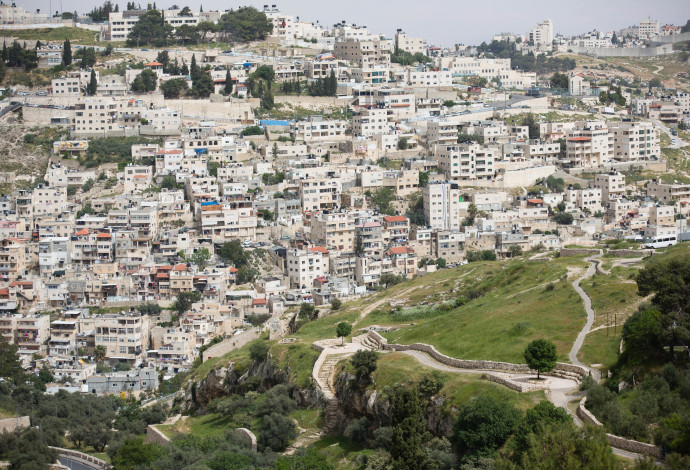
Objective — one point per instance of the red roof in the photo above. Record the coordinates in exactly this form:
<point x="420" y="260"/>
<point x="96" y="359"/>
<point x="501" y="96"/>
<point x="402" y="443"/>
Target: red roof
<point x="535" y="201"/>
<point x="259" y="302"/>
<point x="318" y="249"/>
<point x="233" y="270"/>
<point x="84" y="231"/>
<point x="153" y="64"/>
<point x="4" y="292"/>
<point x="21" y="283"/>
<point x="579" y="139"/>
<point x="395" y="218"/>
<point x="399" y="250"/>
<point x="103" y="235"/>
<point x="180" y="267"/>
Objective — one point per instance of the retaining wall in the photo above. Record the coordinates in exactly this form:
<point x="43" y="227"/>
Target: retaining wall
<point x="579" y="251"/>
<point x="155" y="435"/>
<point x="561" y="369"/>
<point x="640" y="253"/>
<point x="88" y="460"/>
<point x="617" y="441"/>
<point x="12" y="424"/>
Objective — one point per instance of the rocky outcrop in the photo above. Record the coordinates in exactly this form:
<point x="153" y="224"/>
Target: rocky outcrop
<point x="224" y="381"/>
<point x="356" y="402"/>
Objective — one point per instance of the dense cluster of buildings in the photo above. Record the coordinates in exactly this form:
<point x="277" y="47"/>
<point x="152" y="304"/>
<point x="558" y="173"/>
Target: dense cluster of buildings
<point x="325" y="207"/>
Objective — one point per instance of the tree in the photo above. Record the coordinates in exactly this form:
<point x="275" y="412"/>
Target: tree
<point x="203" y="86"/>
<point x="233" y="253"/>
<point x="342" y="330"/>
<point x="563" y="218"/>
<point x="173" y="88"/>
<point x="258" y="350"/>
<point x="441" y="263"/>
<point x="206" y="27"/>
<point x="359" y="245"/>
<point x="228" y="83"/>
<point x="184" y="301"/>
<point x="668" y="278"/>
<point x="10" y="366"/>
<point x="655" y="83"/>
<point x="472" y="212"/>
<point x="150" y="29"/>
<point x="544" y="413"/>
<point x="276" y="432"/>
<point x="66" y="53"/>
<point x="390" y="279"/>
<point x="383" y="199"/>
<point x="93" y="84"/>
<point x="200" y="257"/>
<point x="134" y="454"/>
<point x="88" y="58"/>
<point x="541" y="355"/>
<point x="307" y="310"/>
<point x="409" y="431"/>
<point x="364" y="363"/>
<point x="244" y="24"/>
<point x="614" y="39"/>
<point x="532" y="125"/>
<point x="99" y="353"/>
<point x="514" y="250"/>
<point x="642" y="336"/>
<point x="562" y="445"/>
<point x="336" y="304"/>
<point x="310" y="459"/>
<point x="145" y="82"/>
<point x="267" y="100"/>
<point x="483" y="425"/>
<point x="403" y="144"/>
<point x="559" y="80"/>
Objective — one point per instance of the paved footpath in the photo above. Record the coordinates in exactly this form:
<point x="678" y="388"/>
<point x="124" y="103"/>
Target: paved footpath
<point x="590" y="317"/>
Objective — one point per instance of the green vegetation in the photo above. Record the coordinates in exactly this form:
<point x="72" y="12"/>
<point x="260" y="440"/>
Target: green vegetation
<point x="526" y="62"/>
<point x="540" y="355"/>
<point x="75" y="35"/>
<point x="105" y="150"/>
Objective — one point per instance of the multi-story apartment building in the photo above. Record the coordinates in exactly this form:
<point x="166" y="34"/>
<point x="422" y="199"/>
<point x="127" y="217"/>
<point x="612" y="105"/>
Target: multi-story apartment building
<point x="468" y="66"/>
<point x="540" y="152"/>
<point x="449" y="245"/>
<point x="662" y="216"/>
<point x="409" y="44"/>
<point x="321" y="67"/>
<point x="442" y="206"/>
<point x="584" y="199"/>
<point x="284" y="26"/>
<point x="125" y="336"/>
<point x="441" y="133"/>
<point x="396" y="230"/>
<point x="425" y="77"/>
<point x="137" y="178"/>
<point x="303" y="266"/>
<point x="403" y="261"/>
<point x="635" y="141"/>
<point x="320" y="193"/>
<point x="466" y="162"/>
<point x="49" y="200"/>
<point x="542" y="34"/>
<point x="72" y="83"/>
<point x="12" y="260"/>
<point x="334" y="230"/>
<point x="370" y="234"/>
<point x="668" y="192"/>
<point x="53" y="255"/>
<point x="589" y="146"/>
<point x="315" y="128"/>
<point x="234" y="218"/>
<point x="364" y="53"/>
<point x="611" y="185"/>
<point x="32" y="332"/>
<point x="578" y="86"/>
<point x="648" y="28"/>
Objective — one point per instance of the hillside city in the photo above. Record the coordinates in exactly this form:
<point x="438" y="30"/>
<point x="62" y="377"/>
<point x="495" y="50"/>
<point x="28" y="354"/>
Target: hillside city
<point x="240" y="239"/>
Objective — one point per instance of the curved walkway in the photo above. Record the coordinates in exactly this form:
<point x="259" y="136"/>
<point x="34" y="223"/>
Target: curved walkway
<point x="590" y="317"/>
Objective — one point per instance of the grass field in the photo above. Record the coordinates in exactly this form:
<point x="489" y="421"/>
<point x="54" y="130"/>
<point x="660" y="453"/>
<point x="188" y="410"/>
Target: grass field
<point x="398" y="368"/>
<point x="207" y="425"/>
<point x="75" y="35"/>
<point x="613" y="295"/>
<point x="600" y="348"/>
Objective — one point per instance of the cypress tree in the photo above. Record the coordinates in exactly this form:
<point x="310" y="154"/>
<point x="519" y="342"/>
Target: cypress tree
<point x="333" y="84"/>
<point x="194" y="70"/>
<point x="93" y="84"/>
<point x="409" y="431"/>
<point x="4" y="51"/>
<point x="67" y="53"/>
<point x="228" y="83"/>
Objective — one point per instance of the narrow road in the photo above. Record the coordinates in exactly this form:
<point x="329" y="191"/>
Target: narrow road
<point x="590" y="317"/>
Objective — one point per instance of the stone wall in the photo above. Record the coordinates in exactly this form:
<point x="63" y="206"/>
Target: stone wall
<point x="579" y="251"/>
<point x="635" y="253"/>
<point x="231" y="343"/>
<point x="561" y="370"/>
<point x="155" y="435"/>
<point x="86" y="459"/>
<point x="247" y="437"/>
<point x="377" y="338"/>
<point x="12" y="424"/>
<point x="617" y="441"/>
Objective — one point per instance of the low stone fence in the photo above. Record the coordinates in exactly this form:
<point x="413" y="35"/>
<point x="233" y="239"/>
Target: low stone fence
<point x="12" y="424"/>
<point x="513" y="385"/>
<point x="326" y="343"/>
<point x="155" y="435"/>
<point x="86" y="459"/>
<point x="635" y="253"/>
<point x="617" y="441"/>
<point x="377" y="338"/>
<point x="579" y="251"/>
<point x="564" y="370"/>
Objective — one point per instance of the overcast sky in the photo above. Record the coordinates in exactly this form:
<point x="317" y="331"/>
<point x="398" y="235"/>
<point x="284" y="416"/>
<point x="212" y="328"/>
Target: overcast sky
<point x="444" y="22"/>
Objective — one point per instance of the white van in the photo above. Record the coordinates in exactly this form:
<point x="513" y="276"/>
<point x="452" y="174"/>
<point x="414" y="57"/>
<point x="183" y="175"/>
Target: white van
<point x="661" y="241"/>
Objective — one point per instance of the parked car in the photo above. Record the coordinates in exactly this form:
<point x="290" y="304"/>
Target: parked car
<point x="285" y="237"/>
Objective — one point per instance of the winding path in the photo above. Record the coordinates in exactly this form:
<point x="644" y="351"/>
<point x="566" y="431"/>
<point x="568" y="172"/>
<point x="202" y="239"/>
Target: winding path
<point x="591" y="270"/>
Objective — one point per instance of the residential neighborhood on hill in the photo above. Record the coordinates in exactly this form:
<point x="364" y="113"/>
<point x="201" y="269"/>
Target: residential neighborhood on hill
<point x="241" y="239"/>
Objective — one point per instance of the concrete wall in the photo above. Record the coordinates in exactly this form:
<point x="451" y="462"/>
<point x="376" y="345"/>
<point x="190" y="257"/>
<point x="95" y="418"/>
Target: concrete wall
<point x="616" y="441"/>
<point x="12" y="424"/>
<point x="624" y="51"/>
<point x="155" y="435"/>
<point x="86" y="459"/>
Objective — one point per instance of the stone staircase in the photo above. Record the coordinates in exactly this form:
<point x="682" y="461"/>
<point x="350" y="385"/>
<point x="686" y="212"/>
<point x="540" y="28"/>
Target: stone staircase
<point x="332" y="413"/>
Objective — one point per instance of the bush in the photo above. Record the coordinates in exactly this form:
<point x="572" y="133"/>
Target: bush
<point x="276" y="432"/>
<point x="336" y="304"/>
<point x="364" y="363"/>
<point x="258" y="350"/>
